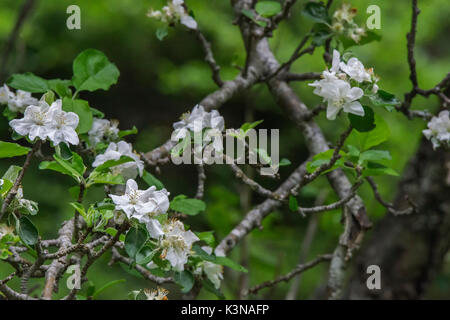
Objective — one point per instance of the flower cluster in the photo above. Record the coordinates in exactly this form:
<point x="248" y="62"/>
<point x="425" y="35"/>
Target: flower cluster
<point x="343" y="23"/>
<point x="16" y="102"/>
<point x="438" y="131"/>
<point x="176" y="243"/>
<point x="103" y="130"/>
<point x="175" y="11"/>
<point x="44" y="121"/>
<point x="213" y="271"/>
<point x="336" y="86"/>
<point x="156" y="294"/>
<point x="129" y="170"/>
<point x="143" y="205"/>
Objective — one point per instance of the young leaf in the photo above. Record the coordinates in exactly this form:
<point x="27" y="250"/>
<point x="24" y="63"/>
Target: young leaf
<point x="208" y="237"/>
<point x="188" y="206"/>
<point x="112" y="163"/>
<point x="124" y="133"/>
<point x="161" y="33"/>
<point x="316" y="11"/>
<point x="28" y="82"/>
<point x="284" y="162"/>
<point x="224" y="261"/>
<point x="27" y="231"/>
<point x="367" y="140"/>
<point x="61" y="87"/>
<point x="106" y="286"/>
<point x="250" y="125"/>
<point x="384" y="99"/>
<point x="375" y="155"/>
<point x="8" y="150"/>
<point x="365" y="123"/>
<point x="82" y="109"/>
<point x="135" y="240"/>
<point x="377" y="169"/>
<point x="185" y="280"/>
<point x="268" y="8"/>
<point x="145" y="255"/>
<point x="293" y="203"/>
<point x="208" y="285"/>
<point x="151" y="180"/>
<point x="92" y="71"/>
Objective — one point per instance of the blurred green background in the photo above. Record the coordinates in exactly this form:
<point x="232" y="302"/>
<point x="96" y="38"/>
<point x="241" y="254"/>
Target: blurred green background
<point x="162" y="79"/>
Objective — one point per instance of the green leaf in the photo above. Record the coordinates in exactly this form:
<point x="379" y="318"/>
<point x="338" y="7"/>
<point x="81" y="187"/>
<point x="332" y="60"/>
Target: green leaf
<point x="367" y="140"/>
<point x="185" y="280"/>
<point x="72" y="167"/>
<point x="82" y="109"/>
<point x="12" y="173"/>
<point x="321" y="33"/>
<point x="250" y="125"/>
<point x="112" y="163"/>
<point x="208" y="237"/>
<point x="4" y="188"/>
<point x="316" y="11"/>
<point x="202" y="254"/>
<point x="384" y="99"/>
<point x="377" y="169"/>
<point x="8" y="114"/>
<point x="28" y="82"/>
<point x="364" y="123"/>
<point x="208" y="285"/>
<point x="161" y="33"/>
<point x="348" y="42"/>
<point x="105" y="178"/>
<point x="224" y="261"/>
<point x="55" y="166"/>
<point x="188" y="206"/>
<point x="82" y="211"/>
<point x="78" y="164"/>
<point x="135" y="240"/>
<point x="325" y="157"/>
<point x="151" y="180"/>
<point x="250" y="14"/>
<point x="145" y="255"/>
<point x="353" y="151"/>
<point x="124" y="133"/>
<point x="8" y="150"/>
<point x="61" y="87"/>
<point x="92" y="71"/>
<point x="63" y="150"/>
<point x="27" y="231"/>
<point x="106" y="286"/>
<point x="293" y="203"/>
<point x="268" y="8"/>
<point x="284" y="162"/>
<point x="375" y="155"/>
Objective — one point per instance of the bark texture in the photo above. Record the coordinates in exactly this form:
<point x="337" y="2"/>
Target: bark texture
<point x="410" y="249"/>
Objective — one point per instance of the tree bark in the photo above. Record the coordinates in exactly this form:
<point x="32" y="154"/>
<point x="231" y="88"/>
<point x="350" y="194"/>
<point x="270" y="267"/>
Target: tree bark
<point x="410" y="249"/>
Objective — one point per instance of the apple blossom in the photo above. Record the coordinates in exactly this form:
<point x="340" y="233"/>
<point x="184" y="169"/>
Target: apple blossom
<point x="438" y="131"/>
<point x="103" y="129"/>
<point x="176" y="243"/>
<point x="62" y="125"/>
<point x="355" y="70"/>
<point x="156" y="294"/>
<point x="174" y="12"/>
<point x="128" y="170"/>
<point x="35" y="123"/>
<point x="213" y="271"/>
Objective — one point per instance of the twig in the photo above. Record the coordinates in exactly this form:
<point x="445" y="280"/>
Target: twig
<point x="201" y="181"/>
<point x="299" y="269"/>
<point x="209" y="57"/>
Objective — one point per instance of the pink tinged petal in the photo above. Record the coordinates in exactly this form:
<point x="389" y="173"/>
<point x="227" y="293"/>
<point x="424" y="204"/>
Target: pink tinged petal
<point x="354" y="107"/>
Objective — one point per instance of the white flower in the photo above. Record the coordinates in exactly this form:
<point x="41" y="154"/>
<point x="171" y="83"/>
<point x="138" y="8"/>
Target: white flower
<point x="62" y="125"/>
<point x="355" y="69"/>
<point x="345" y="13"/>
<point x="103" y="129"/>
<point x="176" y="244"/>
<point x="196" y="121"/>
<point x="357" y="33"/>
<point x="438" y="131"/>
<point x="21" y="101"/>
<point x="5" y="94"/>
<point x="156" y="294"/>
<point x="128" y="170"/>
<point x="35" y="123"/>
<point x="143" y="205"/>
<point x="213" y="271"/>
<point x="21" y="204"/>
<point x="340" y="95"/>
<point x="4" y="230"/>
<point x="174" y="12"/>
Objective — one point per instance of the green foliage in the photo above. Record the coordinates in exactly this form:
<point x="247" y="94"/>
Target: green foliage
<point x="183" y="204"/>
<point x="365" y="123"/>
<point x="151" y="180"/>
<point x="8" y="150"/>
<point x="28" y="82"/>
<point x="93" y="71"/>
<point x="185" y="280"/>
<point x="135" y="240"/>
<point x="316" y="11"/>
<point x="82" y="109"/>
<point x="27" y="231"/>
<point x="268" y="8"/>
